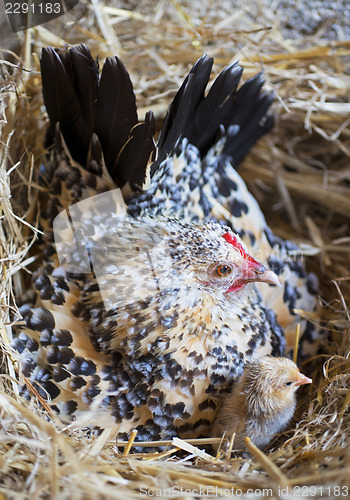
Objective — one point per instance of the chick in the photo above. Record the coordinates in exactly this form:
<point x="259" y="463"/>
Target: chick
<point x="261" y="403"/>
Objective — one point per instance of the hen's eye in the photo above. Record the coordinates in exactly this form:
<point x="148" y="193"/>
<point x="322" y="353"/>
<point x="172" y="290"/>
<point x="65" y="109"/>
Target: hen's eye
<point x="223" y="271"/>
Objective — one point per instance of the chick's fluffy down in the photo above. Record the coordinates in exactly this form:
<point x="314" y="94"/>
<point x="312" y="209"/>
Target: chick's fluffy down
<point x="261" y="403"/>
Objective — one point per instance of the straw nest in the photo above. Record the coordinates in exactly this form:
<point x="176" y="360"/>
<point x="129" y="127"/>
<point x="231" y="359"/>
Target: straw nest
<point x="300" y="175"/>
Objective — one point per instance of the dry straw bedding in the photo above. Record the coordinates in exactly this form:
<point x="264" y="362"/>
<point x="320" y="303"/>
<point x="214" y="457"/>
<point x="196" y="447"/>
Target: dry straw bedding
<point x="299" y="173"/>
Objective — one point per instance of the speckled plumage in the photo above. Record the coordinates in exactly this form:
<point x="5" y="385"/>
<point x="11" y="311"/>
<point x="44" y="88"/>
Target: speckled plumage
<point x="126" y="348"/>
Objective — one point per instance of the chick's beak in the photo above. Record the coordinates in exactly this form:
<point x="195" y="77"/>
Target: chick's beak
<point x="302" y="379"/>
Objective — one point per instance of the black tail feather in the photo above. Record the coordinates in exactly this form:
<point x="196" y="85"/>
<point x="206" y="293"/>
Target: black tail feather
<point x="115" y="110"/>
<point x="62" y="103"/>
<point x="136" y="153"/>
<point x="243" y="114"/>
<point x="85" y="80"/>
<point x="248" y="132"/>
<point x="87" y="106"/>
<point x="183" y="108"/>
<point x="250" y="113"/>
<point x="215" y="109"/>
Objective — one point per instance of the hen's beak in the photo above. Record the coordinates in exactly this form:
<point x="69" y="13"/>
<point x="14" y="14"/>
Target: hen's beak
<point x="302" y="379"/>
<point x="260" y="274"/>
<point x="265" y="275"/>
<point x="255" y="272"/>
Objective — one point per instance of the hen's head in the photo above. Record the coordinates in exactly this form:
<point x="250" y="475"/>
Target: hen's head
<point x="216" y="258"/>
<point x="168" y="261"/>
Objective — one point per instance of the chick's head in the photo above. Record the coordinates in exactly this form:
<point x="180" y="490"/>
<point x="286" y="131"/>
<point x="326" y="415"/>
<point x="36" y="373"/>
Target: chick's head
<point x="271" y="383"/>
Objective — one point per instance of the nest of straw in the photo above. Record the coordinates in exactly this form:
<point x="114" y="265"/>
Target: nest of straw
<point x="300" y="175"/>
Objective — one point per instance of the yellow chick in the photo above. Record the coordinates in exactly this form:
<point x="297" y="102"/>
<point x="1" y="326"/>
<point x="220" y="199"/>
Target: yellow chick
<point x="261" y="403"/>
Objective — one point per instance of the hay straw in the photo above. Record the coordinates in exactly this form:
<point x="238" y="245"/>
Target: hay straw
<point x="130" y="443"/>
<point x="296" y="343"/>
<point x="300" y="176"/>
<point x="266" y="463"/>
<point x="194" y="450"/>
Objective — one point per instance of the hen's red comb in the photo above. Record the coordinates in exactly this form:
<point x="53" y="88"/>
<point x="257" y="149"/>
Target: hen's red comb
<point x="232" y="239"/>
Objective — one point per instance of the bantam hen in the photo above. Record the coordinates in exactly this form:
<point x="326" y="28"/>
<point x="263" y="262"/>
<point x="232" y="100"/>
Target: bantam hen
<point x="145" y="307"/>
<point x="262" y="402"/>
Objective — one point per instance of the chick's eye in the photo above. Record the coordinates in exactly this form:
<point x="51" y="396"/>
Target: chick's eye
<point x="223" y="270"/>
<point x="289" y="383"/>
